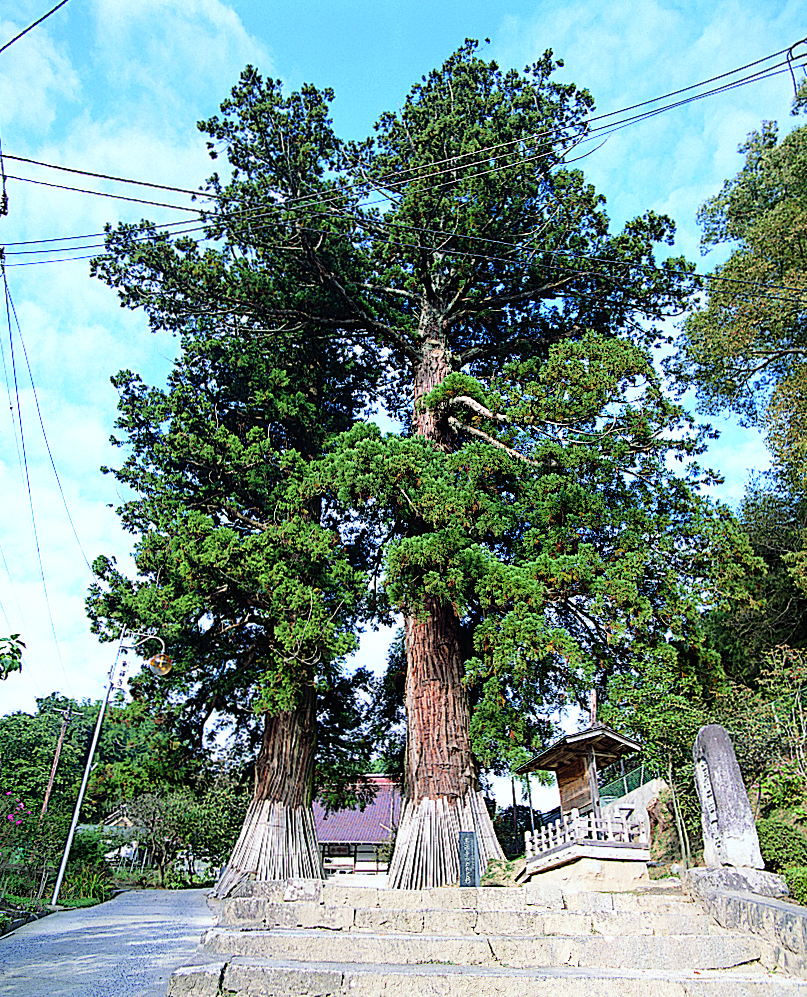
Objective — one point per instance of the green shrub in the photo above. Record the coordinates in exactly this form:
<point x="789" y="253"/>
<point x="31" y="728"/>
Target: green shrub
<point x="796" y="879"/>
<point x="87" y="883"/>
<point x="782" y="845"/>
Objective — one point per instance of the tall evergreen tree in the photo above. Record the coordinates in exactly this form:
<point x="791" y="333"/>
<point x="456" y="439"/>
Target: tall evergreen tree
<point x="533" y="533"/>
<point x="237" y="567"/>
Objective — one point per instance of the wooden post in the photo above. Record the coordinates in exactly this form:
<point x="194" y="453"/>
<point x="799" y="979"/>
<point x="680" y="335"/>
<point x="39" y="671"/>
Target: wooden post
<point x="65" y="722"/>
<point x="529" y="801"/>
<point x="594" y="789"/>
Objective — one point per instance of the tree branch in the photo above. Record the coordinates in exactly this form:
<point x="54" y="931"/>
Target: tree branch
<point x="458" y="426"/>
<point x="465" y="401"/>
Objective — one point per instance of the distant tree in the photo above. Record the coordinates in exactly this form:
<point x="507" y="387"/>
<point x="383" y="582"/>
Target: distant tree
<point x="746" y="348"/>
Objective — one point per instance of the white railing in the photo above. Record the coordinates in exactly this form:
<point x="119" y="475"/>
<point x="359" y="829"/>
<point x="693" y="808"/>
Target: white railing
<point x="573" y="829"/>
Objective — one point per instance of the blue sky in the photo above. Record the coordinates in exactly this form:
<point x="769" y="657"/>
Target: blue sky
<point x="116" y="86"/>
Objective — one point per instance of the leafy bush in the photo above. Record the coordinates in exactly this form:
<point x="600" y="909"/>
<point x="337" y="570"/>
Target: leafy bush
<point x="783" y="787"/>
<point x="796" y="879"/>
<point x="87" y="882"/>
<point x="782" y="845"/>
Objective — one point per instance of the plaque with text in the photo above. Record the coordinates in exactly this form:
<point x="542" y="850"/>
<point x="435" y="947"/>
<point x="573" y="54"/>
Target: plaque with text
<point x="469" y="859"/>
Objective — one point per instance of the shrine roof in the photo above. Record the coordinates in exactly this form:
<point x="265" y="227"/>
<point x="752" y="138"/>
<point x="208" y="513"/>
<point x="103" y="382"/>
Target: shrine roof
<point x="608" y="746"/>
<point x="370" y="826"/>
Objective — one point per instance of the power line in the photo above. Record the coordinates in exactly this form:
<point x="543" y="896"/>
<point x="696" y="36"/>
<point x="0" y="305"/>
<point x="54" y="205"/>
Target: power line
<point x="42" y="425"/>
<point x="294" y="203"/>
<point x="24" y="627"/>
<point x="86" y="235"/>
<point x="401" y="176"/>
<point x="107" y="176"/>
<point x="250" y="214"/>
<point x="31" y="26"/>
<point x="28" y="481"/>
<point x="101" y="193"/>
<point x="759" y="287"/>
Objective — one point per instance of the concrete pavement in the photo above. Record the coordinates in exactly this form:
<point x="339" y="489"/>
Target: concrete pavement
<point x="127" y="947"/>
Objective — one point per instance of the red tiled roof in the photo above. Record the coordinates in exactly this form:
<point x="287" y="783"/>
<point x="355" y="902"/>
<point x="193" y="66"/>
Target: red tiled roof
<point x="371" y="826"/>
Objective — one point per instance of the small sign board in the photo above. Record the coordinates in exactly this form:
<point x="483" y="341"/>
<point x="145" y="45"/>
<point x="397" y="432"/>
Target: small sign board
<point x="469" y="859"/>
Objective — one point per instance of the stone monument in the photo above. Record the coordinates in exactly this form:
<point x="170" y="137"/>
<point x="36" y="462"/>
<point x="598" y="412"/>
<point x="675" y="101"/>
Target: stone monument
<point x="729" y="832"/>
<point x="469" y="859"/>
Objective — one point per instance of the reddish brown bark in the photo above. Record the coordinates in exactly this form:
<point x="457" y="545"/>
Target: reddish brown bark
<point x="439" y="759"/>
<point x="284" y="771"/>
<point x="432" y="370"/>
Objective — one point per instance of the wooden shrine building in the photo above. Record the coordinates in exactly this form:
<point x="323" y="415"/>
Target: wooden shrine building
<point x="581" y="831"/>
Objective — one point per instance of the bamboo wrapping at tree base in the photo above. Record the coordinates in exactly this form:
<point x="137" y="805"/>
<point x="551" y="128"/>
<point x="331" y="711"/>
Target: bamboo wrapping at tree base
<point x="276" y="842"/>
<point x="427" y="844"/>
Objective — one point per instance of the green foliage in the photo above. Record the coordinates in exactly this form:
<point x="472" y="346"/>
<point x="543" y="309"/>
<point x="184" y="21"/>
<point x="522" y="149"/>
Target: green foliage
<point x="163" y="823"/>
<point x="773" y="516"/>
<point x="86" y="884"/>
<point x="782" y="845"/>
<point x="240" y="564"/>
<point x="796" y="879"/>
<point x="554" y="503"/>
<point x="511" y="837"/>
<point x="746" y="350"/>
<point x="11" y="649"/>
<point x="783" y="789"/>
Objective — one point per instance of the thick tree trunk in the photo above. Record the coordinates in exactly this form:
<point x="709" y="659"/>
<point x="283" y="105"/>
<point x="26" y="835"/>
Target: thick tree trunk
<point x="442" y="797"/>
<point x="278" y="839"/>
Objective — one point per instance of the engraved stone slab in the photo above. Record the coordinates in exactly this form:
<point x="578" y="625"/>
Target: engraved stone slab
<point x="729" y="832"/>
<point x="469" y="859"/>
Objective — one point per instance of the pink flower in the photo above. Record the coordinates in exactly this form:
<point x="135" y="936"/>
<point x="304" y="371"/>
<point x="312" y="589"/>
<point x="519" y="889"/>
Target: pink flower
<point x="18" y="822"/>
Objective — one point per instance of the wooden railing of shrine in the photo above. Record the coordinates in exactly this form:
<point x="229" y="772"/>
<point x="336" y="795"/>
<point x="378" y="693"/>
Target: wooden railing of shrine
<point x="572" y="829"/>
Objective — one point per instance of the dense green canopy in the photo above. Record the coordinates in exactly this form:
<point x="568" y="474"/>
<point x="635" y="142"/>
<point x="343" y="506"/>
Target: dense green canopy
<point x="529" y="518"/>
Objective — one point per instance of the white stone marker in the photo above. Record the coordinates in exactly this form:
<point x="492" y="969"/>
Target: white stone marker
<point x="729" y="832"/>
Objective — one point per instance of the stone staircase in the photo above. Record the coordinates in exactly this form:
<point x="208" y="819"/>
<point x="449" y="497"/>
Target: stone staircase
<point x="303" y="938"/>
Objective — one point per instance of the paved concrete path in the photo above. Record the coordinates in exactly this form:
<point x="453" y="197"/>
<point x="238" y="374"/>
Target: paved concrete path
<point x="127" y="947"/>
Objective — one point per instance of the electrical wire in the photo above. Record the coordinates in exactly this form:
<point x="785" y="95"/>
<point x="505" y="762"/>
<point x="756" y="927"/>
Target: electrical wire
<point x="401" y="176"/>
<point x="382" y="223"/>
<point x="3" y="191"/>
<point x="522" y="161"/>
<point x="24" y="628"/>
<point x="295" y="202"/>
<point x="31" y="26"/>
<point x="42" y="425"/>
<point x="101" y="193"/>
<point x="7" y="295"/>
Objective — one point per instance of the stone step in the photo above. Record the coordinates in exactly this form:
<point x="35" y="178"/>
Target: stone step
<point x="252" y="977"/>
<point x="651" y="952"/>
<point x="251" y="914"/>
<point x="505" y="899"/>
<point x="259" y="899"/>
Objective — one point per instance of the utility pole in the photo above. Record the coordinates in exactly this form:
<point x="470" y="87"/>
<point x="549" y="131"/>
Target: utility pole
<point x="60" y="742"/>
<point x="160" y="664"/>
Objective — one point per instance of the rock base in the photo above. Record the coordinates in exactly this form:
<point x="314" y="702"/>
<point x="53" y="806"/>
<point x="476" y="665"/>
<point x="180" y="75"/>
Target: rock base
<point x="736" y="879"/>
<point x="595" y="875"/>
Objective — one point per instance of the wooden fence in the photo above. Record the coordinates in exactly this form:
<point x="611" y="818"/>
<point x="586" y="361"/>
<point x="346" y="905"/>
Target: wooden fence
<point x="572" y="829"/>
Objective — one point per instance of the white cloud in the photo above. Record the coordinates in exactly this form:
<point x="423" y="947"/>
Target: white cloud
<point x="172" y="49"/>
<point x="37" y="75"/>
